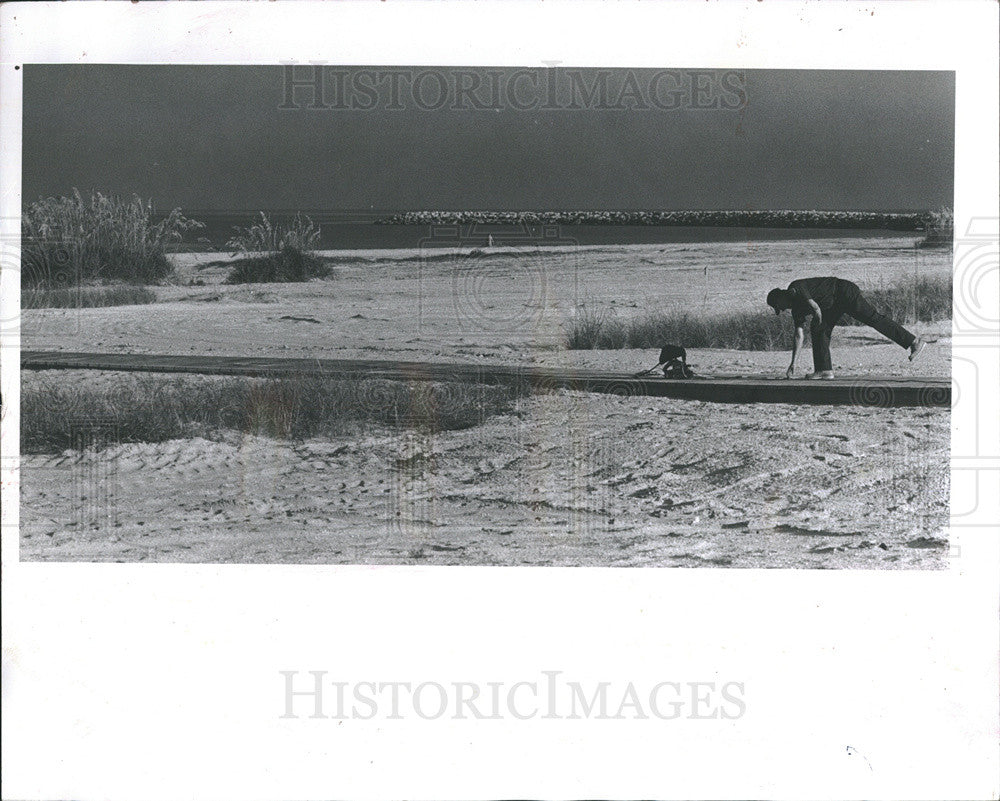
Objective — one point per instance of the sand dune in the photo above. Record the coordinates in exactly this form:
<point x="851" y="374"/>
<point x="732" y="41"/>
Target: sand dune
<point x="574" y="479"/>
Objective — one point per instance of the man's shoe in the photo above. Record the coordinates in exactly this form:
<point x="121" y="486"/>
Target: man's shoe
<point x="916" y="347"/>
<point x="821" y="374"/>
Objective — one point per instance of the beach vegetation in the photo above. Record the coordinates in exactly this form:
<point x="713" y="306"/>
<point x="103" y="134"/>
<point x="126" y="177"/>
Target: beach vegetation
<point x="276" y="252"/>
<point x="67" y="242"/>
<point x="154" y="408"/>
<point x="86" y="297"/>
<point x="915" y="299"/>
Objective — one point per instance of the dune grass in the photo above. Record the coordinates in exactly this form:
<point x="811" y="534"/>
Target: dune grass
<point x="923" y="299"/>
<point x="739" y="331"/>
<point x="87" y="297"/>
<point x="276" y="253"/>
<point x="154" y="408"/>
<point x="66" y="241"/>
<point x="599" y="330"/>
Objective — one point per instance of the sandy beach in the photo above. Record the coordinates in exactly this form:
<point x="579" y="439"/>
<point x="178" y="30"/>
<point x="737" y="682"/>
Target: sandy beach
<point x="567" y="478"/>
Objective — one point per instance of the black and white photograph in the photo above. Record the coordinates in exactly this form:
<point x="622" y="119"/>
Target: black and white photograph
<point x="472" y="316"/>
<point x="443" y="400"/>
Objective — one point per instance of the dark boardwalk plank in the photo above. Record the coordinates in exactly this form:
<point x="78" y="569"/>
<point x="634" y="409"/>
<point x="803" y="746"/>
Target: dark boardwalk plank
<point x="862" y="391"/>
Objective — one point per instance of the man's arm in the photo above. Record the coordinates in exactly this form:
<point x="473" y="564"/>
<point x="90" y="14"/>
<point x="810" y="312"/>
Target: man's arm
<point x="817" y="313"/>
<point x="796" y="345"/>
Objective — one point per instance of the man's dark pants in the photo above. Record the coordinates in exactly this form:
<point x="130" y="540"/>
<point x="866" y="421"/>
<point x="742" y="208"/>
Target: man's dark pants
<point x="854" y="304"/>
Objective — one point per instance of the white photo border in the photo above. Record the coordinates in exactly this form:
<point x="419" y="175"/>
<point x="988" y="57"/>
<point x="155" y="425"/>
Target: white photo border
<point x="128" y="681"/>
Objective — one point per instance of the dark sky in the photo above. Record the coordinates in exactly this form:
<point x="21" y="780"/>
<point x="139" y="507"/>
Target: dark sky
<point x="211" y="137"/>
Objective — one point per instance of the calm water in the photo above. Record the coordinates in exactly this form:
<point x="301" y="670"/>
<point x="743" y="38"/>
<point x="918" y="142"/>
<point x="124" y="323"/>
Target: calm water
<point x="358" y="232"/>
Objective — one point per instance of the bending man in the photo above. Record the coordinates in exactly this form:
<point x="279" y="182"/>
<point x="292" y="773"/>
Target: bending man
<point x="826" y="300"/>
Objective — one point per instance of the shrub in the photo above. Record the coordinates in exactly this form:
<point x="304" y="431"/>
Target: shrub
<point x="285" y="266"/>
<point x="276" y="253"/>
<point x="68" y="240"/>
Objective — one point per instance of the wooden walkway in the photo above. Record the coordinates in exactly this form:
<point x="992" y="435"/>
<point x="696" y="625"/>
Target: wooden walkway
<point x="862" y="391"/>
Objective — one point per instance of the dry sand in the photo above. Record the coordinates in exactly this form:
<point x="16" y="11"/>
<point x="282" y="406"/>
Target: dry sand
<point x="570" y="479"/>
